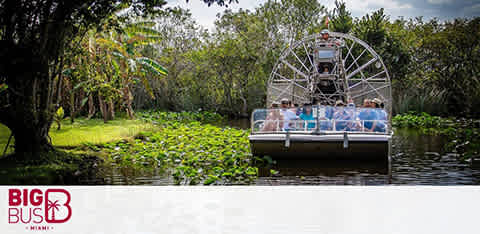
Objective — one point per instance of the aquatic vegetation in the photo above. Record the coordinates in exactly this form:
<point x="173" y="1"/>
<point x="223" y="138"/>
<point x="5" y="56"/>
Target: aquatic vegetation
<point x="194" y="152"/>
<point x="463" y="134"/>
<point x="423" y="120"/>
<point x="182" y="117"/>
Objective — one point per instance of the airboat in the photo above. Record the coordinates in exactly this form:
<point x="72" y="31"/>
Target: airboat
<point x="325" y="70"/>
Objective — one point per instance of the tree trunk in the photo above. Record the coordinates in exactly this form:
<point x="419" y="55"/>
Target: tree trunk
<point x="103" y="108"/>
<point x="244" y="112"/>
<point x="91" y="106"/>
<point x="128" y="102"/>
<point x="28" y="104"/>
<point x="30" y="140"/>
<point x="111" y="109"/>
<point x="72" y="105"/>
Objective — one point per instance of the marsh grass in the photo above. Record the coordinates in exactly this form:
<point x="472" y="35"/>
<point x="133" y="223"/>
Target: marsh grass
<point x="94" y="131"/>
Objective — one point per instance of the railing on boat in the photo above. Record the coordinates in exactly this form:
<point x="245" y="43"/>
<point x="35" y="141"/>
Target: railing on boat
<point x="323" y="120"/>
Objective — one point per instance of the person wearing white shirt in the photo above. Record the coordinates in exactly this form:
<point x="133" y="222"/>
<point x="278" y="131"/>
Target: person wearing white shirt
<point x="288" y="115"/>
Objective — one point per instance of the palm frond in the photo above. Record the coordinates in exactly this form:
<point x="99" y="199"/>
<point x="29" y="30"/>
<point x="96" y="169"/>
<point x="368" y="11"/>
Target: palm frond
<point x="139" y="29"/>
<point x="113" y="45"/>
<point x="152" y="66"/>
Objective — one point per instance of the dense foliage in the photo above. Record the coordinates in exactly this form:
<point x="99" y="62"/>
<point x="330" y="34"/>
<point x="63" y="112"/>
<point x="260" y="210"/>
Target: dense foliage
<point x="35" y="39"/>
<point x="122" y="64"/>
<point x="433" y="65"/>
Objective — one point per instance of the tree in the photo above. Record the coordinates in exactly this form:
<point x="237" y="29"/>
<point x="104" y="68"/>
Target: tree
<point x="341" y="18"/>
<point x="371" y="28"/>
<point x="33" y="39"/>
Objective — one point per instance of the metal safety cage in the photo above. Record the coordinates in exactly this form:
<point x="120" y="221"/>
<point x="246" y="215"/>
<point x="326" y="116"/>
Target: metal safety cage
<point x="322" y="71"/>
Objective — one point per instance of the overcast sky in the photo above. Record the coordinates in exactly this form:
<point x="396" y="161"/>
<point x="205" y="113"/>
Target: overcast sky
<point x="442" y="9"/>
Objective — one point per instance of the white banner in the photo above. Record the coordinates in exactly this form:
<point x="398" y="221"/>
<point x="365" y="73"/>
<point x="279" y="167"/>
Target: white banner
<point x="256" y="209"/>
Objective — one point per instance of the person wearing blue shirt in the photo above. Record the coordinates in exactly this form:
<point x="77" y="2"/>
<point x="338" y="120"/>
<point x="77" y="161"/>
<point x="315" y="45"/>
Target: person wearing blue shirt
<point x="381" y="115"/>
<point x="368" y="114"/>
<point x="341" y="117"/>
<point x="307" y="115"/>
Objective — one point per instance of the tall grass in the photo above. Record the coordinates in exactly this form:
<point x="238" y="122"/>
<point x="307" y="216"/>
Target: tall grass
<point x="429" y="101"/>
<point x="94" y="131"/>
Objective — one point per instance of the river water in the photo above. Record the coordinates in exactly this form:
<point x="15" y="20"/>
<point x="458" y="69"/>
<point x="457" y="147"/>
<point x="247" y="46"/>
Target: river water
<point x="415" y="159"/>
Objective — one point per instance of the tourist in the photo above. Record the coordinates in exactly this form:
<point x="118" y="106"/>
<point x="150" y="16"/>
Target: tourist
<point x="341" y="117"/>
<point x="307" y="116"/>
<point x="381" y="115"/>
<point x="288" y="115"/>
<point x="368" y="115"/>
<point x="274" y="119"/>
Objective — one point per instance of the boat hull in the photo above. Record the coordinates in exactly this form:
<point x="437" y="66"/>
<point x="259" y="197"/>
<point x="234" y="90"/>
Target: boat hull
<point x="357" y="147"/>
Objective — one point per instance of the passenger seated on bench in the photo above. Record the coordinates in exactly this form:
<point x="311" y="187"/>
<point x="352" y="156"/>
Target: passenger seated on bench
<point x="368" y="115"/>
<point x="342" y="117"/>
<point x="307" y="115"/>
<point x="381" y="116"/>
<point x="325" y="115"/>
<point x="352" y="112"/>
<point x="274" y="119"/>
<point x="288" y="115"/>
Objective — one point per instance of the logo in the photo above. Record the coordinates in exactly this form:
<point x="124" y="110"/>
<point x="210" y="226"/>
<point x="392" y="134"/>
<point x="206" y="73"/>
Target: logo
<point x="39" y="209"/>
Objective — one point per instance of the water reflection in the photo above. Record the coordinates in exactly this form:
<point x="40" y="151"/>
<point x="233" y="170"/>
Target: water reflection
<point x="305" y="172"/>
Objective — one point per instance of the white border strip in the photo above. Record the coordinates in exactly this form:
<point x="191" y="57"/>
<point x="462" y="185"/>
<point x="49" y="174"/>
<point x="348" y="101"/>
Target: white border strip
<point x="262" y="210"/>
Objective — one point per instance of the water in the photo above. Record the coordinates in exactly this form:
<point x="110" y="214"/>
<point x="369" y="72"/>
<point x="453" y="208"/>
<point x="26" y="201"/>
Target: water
<point x="415" y="160"/>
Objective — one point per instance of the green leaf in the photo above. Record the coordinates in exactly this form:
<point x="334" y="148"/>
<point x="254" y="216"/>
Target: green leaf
<point x="60" y="113"/>
<point x="79" y="85"/>
<point x="152" y="66"/>
<point x="84" y="101"/>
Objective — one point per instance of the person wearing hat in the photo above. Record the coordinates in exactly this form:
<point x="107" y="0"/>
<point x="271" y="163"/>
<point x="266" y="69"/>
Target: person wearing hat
<point x="288" y="114"/>
<point x="325" y="34"/>
<point x="377" y="102"/>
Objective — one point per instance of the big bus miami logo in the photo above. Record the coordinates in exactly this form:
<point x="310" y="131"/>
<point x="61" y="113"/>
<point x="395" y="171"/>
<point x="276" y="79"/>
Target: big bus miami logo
<point x="38" y="209"/>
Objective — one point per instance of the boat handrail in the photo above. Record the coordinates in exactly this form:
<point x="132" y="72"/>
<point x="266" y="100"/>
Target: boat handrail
<point x="299" y="126"/>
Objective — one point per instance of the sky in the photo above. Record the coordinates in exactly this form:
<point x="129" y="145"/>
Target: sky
<point x="441" y="9"/>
